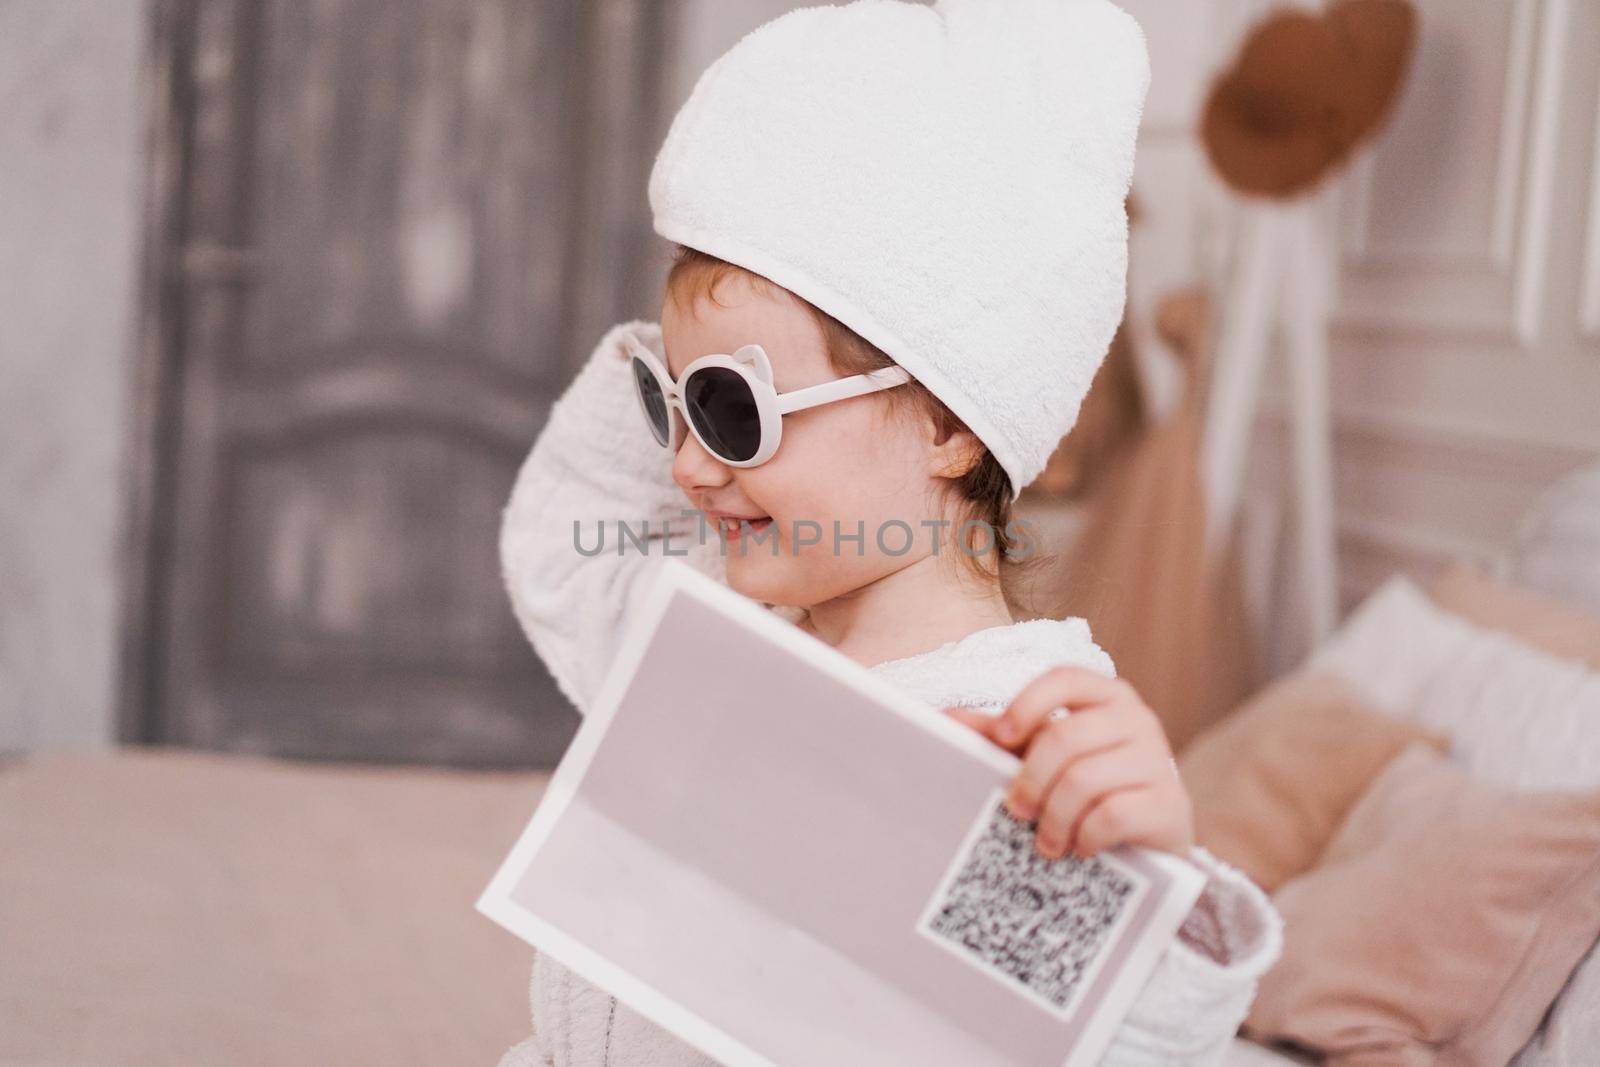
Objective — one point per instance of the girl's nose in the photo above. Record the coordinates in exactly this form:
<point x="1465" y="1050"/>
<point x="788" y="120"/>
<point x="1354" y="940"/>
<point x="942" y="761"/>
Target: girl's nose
<point x="695" y="469"/>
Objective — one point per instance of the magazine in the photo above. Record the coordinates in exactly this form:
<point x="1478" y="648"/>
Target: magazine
<point x="787" y="861"/>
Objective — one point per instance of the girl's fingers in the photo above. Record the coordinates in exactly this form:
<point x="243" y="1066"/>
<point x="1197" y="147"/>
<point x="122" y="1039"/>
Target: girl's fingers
<point x="979" y="721"/>
<point x="1141" y="815"/>
<point x="1063" y="686"/>
<point x="1056" y="746"/>
<point x="1081" y="785"/>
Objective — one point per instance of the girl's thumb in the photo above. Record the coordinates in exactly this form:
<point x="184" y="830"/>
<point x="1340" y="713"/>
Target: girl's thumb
<point x="965" y="714"/>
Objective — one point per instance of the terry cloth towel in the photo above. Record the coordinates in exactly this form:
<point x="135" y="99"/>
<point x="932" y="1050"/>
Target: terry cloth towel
<point x="946" y="180"/>
<point x="593" y="460"/>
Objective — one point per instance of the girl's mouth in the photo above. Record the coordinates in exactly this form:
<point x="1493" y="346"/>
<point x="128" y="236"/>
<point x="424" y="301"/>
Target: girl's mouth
<point x="731" y="529"/>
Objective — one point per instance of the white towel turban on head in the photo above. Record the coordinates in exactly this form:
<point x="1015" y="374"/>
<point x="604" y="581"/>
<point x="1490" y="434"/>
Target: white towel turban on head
<point x="947" y="180"/>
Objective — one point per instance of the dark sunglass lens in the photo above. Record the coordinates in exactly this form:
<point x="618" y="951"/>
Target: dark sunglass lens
<point x="655" y="405"/>
<point x="724" y="412"/>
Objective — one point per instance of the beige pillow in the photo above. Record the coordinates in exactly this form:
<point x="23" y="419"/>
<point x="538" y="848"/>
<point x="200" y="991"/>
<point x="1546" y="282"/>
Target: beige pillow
<point x="1440" y="923"/>
<point x="1553" y="626"/>
<point x="1271" y="782"/>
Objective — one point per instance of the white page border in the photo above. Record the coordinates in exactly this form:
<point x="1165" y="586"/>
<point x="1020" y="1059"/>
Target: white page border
<point x="678" y="578"/>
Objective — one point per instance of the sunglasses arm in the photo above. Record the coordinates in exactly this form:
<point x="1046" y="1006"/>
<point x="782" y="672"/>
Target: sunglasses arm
<point x="841" y="388"/>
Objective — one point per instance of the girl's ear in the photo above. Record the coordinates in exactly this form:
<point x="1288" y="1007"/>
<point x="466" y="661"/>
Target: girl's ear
<point x="955" y="455"/>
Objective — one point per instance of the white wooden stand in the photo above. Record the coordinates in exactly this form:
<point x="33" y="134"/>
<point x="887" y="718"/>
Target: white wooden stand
<point x="1284" y="279"/>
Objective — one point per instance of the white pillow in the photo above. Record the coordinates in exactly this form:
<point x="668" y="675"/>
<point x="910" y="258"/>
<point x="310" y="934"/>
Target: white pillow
<point x="1569" y="1034"/>
<point x="1393" y="645"/>
<point x="1557" y="549"/>
<point x="1514" y="715"/>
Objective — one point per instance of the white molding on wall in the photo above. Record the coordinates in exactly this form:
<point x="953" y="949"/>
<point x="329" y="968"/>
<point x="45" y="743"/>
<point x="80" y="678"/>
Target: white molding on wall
<point x="1496" y="255"/>
<point x="1425" y="490"/>
<point x="1498" y="293"/>
<point x="1416" y="544"/>
<point x="1500" y="450"/>
<point x="1535" y="250"/>
<point x="1371" y="552"/>
<point x="1513" y="134"/>
<point x="1589" y="311"/>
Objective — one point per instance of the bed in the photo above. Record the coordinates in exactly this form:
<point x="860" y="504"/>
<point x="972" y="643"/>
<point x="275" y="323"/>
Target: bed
<point x="164" y="906"/>
<point x="161" y="906"/>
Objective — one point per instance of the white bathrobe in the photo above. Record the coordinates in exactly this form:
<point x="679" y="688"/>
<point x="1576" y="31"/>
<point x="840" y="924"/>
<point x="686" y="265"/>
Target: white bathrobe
<point x="595" y="460"/>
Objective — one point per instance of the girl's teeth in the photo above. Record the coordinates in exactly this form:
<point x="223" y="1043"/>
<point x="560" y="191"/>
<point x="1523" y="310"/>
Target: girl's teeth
<point x="731" y="527"/>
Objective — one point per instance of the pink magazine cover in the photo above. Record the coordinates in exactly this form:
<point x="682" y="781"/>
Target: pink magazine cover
<point x="787" y="862"/>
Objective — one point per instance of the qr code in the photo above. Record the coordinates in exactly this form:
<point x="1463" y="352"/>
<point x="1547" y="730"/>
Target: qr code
<point x="1041" y="924"/>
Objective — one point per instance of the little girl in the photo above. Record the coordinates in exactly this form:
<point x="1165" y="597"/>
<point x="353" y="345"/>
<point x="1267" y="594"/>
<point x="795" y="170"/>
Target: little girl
<point x="919" y="210"/>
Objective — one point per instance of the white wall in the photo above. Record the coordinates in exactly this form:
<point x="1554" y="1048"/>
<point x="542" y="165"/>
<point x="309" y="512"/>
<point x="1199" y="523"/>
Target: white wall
<point x="70" y="136"/>
<point x="1466" y="344"/>
<point x="1467" y="347"/>
<point x="708" y="28"/>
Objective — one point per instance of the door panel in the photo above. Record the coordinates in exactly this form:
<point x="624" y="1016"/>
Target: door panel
<point x="383" y="263"/>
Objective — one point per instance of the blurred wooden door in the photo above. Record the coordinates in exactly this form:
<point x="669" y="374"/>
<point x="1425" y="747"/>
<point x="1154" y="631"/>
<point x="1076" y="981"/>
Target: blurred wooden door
<point x="383" y="235"/>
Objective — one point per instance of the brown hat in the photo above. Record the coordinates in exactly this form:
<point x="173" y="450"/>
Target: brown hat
<point x="1305" y="89"/>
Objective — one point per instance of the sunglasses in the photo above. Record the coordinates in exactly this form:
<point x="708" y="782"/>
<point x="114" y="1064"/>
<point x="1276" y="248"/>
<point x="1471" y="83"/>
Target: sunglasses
<point x="728" y="402"/>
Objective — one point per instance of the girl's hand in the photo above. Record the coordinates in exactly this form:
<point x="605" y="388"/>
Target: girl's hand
<point x="1101" y="776"/>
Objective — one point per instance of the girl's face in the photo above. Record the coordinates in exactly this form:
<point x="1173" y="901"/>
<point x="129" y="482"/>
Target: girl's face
<point x="850" y="461"/>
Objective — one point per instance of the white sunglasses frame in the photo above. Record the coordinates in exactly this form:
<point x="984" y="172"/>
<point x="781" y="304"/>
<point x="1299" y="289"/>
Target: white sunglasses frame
<point x="753" y="364"/>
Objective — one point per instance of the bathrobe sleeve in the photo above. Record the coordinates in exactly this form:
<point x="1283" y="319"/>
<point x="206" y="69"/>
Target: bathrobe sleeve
<point x="1203" y="985"/>
<point x="594" y="466"/>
